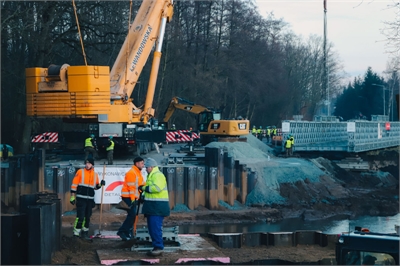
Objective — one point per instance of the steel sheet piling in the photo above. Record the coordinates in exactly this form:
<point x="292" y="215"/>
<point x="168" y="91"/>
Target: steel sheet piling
<point x="60" y="186"/>
<point x="170" y="175"/>
<point x="200" y="187"/>
<point x="14" y="239"/>
<point x="40" y="249"/>
<point x="211" y="156"/>
<point x="191" y="184"/>
<point x="229" y="179"/>
<point x="238" y="179"/>
<point x="179" y="186"/>
<point x="12" y="190"/>
<point x="220" y="170"/>
<point x="50" y="175"/>
<point x="251" y="181"/>
<point x="70" y="174"/>
<point x="19" y="179"/>
<point x="244" y="182"/>
<point x="5" y="183"/>
<point x="212" y="201"/>
<point x="41" y="171"/>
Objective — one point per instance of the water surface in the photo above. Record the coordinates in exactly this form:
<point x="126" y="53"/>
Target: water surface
<point x="379" y="224"/>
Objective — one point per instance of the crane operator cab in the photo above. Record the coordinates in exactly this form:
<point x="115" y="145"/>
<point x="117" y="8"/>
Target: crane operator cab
<point x="363" y="247"/>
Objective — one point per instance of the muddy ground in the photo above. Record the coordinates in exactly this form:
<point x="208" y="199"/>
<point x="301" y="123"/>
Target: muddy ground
<point x="78" y="251"/>
<point x="309" y="192"/>
<point x="344" y="193"/>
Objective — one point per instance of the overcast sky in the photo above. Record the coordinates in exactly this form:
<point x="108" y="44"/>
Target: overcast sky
<point x="353" y="27"/>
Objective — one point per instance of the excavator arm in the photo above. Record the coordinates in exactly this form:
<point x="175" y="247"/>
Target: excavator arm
<point x="209" y="122"/>
<point x="178" y="103"/>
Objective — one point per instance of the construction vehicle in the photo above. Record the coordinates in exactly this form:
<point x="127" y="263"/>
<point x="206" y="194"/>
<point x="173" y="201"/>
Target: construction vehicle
<point x="209" y="122"/>
<point x="99" y="98"/>
<point x="363" y="247"/>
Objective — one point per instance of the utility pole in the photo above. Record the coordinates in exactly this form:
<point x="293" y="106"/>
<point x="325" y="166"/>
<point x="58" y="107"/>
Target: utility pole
<point x="326" y="74"/>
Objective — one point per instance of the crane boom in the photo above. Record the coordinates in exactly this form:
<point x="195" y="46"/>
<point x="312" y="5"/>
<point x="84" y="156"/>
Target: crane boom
<point x="90" y="93"/>
<point x="147" y="28"/>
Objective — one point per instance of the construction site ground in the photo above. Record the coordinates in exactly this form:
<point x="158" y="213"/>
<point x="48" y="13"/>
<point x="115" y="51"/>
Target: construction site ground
<point x="286" y="188"/>
<point x="112" y="250"/>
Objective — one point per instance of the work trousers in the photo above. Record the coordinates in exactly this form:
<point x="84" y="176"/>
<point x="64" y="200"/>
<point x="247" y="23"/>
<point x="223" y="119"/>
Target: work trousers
<point x="110" y="156"/>
<point x="289" y="151"/>
<point x="154" y="224"/>
<point x="127" y="225"/>
<point x="92" y="151"/>
<point x="83" y="211"/>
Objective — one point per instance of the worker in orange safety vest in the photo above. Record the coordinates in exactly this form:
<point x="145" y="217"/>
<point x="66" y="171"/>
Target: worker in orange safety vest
<point x="85" y="182"/>
<point x="130" y="195"/>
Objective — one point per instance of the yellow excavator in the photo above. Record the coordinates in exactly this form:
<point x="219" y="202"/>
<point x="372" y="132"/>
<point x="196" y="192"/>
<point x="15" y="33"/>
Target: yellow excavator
<point x="210" y="125"/>
<point x="93" y="95"/>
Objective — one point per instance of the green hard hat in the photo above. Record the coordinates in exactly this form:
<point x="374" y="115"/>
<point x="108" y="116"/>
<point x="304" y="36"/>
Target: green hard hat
<point x="91" y="135"/>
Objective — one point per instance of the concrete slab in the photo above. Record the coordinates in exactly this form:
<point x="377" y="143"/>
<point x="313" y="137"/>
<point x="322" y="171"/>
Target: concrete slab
<point x="193" y="248"/>
<point x="194" y="242"/>
<point x="106" y="234"/>
<point x="113" y="256"/>
<point x="225" y="260"/>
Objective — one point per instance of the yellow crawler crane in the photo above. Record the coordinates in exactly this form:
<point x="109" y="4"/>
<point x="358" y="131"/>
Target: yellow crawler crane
<point x="94" y="95"/>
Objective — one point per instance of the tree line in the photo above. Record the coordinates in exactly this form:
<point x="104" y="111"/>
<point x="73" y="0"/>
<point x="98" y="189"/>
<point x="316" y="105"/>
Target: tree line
<point x="217" y="53"/>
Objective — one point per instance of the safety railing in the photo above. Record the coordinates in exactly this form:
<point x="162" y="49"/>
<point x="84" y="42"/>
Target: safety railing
<point x="349" y="136"/>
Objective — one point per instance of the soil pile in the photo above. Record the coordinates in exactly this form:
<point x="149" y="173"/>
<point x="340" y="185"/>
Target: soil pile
<point x="313" y="189"/>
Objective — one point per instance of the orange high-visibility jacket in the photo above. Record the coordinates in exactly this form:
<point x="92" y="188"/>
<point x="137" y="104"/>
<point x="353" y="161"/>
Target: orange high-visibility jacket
<point x="133" y="179"/>
<point x="84" y="183"/>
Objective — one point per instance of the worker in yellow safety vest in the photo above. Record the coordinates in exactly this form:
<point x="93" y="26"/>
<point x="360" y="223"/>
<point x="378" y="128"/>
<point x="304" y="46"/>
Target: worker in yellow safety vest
<point x="273" y="131"/>
<point x="268" y="133"/>
<point x="156" y="205"/>
<point x="90" y="147"/>
<point x="254" y="131"/>
<point x="288" y="146"/>
<point x="292" y="145"/>
<point x="110" y="150"/>
<point x="259" y="133"/>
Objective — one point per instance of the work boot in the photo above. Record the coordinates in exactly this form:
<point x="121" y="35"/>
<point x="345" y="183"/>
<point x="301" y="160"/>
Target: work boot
<point x="77" y="232"/>
<point x="155" y="252"/>
<point x="123" y="236"/>
<point x="85" y="235"/>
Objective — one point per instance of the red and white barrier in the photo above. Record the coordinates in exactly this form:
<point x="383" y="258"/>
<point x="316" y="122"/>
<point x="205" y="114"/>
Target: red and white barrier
<point x="45" y="137"/>
<point x="179" y="136"/>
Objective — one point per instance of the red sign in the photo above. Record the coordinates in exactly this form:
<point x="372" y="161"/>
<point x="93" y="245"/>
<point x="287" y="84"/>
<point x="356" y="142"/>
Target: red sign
<point x="387" y="126"/>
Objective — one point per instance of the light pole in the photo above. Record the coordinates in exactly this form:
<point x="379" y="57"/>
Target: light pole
<point x="383" y="94"/>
